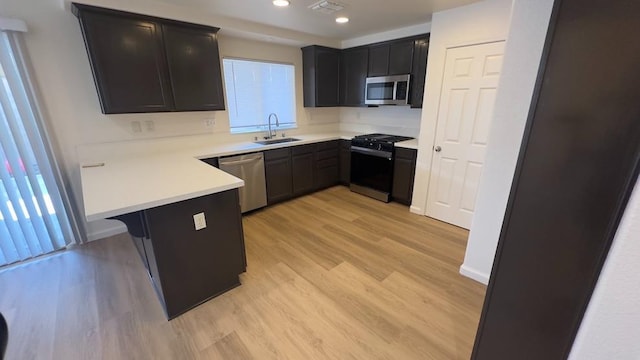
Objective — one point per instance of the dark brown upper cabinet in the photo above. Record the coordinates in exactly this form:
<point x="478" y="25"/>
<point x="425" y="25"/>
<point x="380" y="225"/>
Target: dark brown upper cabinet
<point x="418" y="71"/>
<point x="335" y="77"/>
<point x="146" y="64"/>
<point x="194" y="68"/>
<point x="400" y="57"/>
<point x="378" y="60"/>
<point x="127" y="62"/>
<point x="392" y="58"/>
<point x="353" y="75"/>
<point x="321" y="76"/>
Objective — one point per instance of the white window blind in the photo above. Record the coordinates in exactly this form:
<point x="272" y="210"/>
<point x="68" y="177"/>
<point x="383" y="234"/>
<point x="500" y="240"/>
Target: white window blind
<point x="33" y="218"/>
<point x="256" y="89"/>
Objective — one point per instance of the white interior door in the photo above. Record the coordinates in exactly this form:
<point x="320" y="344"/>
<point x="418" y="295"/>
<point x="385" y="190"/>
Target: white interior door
<point x="466" y="108"/>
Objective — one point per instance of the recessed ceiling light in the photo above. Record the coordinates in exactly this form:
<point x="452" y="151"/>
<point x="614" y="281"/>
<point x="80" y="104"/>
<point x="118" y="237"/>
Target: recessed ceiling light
<point x="342" y="20"/>
<point x="281" y="2"/>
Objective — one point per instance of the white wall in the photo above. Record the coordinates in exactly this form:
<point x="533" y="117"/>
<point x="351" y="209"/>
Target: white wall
<point x="610" y="327"/>
<point x="56" y="49"/>
<point x="529" y="22"/>
<point x="397" y="120"/>
<point x="481" y="22"/>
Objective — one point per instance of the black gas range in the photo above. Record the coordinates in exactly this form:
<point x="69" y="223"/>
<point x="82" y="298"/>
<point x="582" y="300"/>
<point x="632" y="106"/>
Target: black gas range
<point x="377" y="141"/>
<point x="372" y="164"/>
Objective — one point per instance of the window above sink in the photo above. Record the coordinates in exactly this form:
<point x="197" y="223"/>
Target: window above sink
<point x="256" y="89"/>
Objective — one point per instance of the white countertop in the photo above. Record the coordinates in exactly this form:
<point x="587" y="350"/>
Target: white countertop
<point x="245" y="147"/>
<point x="409" y="144"/>
<point x="124" y="185"/>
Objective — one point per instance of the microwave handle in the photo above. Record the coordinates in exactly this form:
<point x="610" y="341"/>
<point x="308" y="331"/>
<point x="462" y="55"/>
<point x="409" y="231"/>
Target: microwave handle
<point x="395" y="90"/>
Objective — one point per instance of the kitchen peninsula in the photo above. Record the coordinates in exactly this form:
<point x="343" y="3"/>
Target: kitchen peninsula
<point x="163" y="198"/>
<point x="183" y="216"/>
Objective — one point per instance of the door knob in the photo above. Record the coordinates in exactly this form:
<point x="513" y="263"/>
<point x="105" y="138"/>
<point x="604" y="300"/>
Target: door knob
<point x="437" y="148"/>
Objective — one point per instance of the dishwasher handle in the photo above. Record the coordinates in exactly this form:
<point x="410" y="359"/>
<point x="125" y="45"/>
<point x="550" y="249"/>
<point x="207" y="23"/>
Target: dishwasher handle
<point x="240" y="162"/>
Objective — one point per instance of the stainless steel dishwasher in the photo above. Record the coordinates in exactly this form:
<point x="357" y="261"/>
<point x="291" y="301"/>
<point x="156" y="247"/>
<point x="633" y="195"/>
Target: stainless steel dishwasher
<point x="249" y="168"/>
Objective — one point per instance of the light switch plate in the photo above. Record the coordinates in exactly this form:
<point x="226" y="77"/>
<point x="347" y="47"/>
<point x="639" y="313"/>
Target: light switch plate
<point x="199" y="221"/>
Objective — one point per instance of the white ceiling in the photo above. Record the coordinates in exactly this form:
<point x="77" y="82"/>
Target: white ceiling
<point x="366" y="16"/>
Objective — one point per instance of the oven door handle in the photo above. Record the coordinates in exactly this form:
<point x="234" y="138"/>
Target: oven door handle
<point x="372" y="152"/>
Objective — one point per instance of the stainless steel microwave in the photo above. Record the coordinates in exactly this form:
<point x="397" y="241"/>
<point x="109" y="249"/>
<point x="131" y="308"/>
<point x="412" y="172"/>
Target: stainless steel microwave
<point x="387" y="90"/>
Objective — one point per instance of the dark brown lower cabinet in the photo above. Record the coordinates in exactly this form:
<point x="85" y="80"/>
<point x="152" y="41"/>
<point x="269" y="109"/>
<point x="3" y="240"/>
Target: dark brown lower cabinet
<point x="345" y="162"/>
<point x="327" y="168"/>
<point x="303" y="168"/>
<point x="188" y="267"/>
<point x="404" y="170"/>
<point x="299" y="170"/>
<point x="277" y="168"/>
<point x="578" y="163"/>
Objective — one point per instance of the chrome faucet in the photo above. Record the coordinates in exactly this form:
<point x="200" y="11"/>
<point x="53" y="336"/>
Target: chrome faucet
<point x="271" y="135"/>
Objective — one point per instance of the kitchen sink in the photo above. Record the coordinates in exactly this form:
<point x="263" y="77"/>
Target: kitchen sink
<point x="276" y="141"/>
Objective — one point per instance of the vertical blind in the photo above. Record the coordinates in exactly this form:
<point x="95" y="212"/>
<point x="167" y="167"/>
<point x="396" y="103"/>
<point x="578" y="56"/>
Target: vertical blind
<point x="256" y="89"/>
<point x="33" y="218"/>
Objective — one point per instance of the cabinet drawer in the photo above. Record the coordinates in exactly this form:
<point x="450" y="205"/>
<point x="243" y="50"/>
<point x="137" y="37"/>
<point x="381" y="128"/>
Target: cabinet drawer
<point x="277" y="154"/>
<point x="327" y="154"/>
<point x="333" y="144"/>
<point x="327" y="162"/>
<point x="303" y="149"/>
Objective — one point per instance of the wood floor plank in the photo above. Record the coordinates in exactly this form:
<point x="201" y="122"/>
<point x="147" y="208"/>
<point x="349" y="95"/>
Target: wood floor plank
<point x="229" y="347"/>
<point x="332" y="275"/>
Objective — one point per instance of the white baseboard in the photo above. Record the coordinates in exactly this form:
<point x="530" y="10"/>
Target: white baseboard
<point x="416" y="210"/>
<point x="106" y="232"/>
<point x="474" y="274"/>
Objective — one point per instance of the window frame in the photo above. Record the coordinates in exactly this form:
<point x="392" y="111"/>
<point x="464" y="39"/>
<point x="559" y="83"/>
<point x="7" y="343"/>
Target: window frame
<point x="260" y="128"/>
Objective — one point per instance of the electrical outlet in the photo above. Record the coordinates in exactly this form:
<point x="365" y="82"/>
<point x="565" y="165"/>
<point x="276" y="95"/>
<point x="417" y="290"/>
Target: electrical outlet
<point x="209" y="123"/>
<point x="199" y="221"/>
<point x="136" y="127"/>
<point x="149" y="125"/>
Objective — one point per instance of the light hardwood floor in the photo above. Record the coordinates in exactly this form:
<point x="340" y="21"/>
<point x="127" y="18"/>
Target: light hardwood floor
<point x="333" y="275"/>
